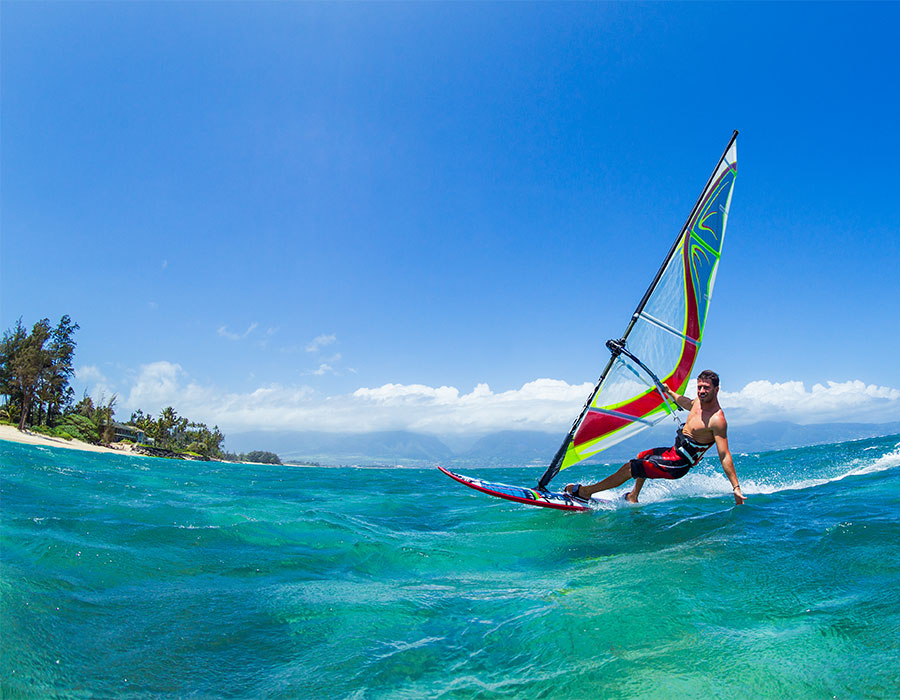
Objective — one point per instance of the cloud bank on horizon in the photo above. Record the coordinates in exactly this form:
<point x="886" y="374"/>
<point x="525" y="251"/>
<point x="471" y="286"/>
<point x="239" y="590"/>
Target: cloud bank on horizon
<point x="543" y="404"/>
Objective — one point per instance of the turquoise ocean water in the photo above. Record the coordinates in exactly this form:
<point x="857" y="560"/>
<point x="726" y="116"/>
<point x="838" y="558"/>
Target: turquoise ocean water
<point x="135" y="577"/>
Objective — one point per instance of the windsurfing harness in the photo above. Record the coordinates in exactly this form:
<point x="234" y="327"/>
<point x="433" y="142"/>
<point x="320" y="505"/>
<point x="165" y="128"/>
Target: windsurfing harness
<point x="669" y="462"/>
<point x="689" y="448"/>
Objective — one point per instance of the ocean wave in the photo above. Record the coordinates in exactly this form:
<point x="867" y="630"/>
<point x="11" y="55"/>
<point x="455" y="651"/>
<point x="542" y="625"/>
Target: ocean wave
<point x="704" y="483"/>
<point x="197" y="582"/>
<point x="858" y="467"/>
<point x="888" y="460"/>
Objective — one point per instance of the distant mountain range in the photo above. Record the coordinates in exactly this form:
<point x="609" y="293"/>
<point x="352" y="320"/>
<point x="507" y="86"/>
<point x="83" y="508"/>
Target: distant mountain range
<point x="513" y="448"/>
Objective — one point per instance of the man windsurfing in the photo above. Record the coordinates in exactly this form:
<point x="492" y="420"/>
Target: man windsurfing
<point x="705" y="426"/>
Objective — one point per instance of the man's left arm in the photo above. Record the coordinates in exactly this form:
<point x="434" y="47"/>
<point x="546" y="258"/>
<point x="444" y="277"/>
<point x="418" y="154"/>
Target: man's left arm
<point x="720" y="433"/>
<point x="682" y="401"/>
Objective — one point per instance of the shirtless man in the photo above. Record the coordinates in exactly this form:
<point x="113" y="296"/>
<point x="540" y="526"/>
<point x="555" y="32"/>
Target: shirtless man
<point x="704" y="427"/>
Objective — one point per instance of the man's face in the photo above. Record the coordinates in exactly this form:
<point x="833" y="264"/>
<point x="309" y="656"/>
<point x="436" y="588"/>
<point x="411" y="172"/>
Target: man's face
<point x="706" y="392"/>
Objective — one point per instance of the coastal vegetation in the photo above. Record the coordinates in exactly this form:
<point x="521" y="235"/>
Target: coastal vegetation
<point x="35" y="370"/>
<point x="170" y="431"/>
<point x="261" y="456"/>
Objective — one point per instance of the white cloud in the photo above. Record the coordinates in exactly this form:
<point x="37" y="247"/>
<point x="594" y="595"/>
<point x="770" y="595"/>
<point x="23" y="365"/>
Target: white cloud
<point x="156" y="387"/>
<point x="225" y="333"/>
<point x="850" y="401"/>
<point x="543" y="404"/>
<point x="320" y="342"/>
<point x="326" y="367"/>
<point x="89" y="374"/>
<point x="94" y="382"/>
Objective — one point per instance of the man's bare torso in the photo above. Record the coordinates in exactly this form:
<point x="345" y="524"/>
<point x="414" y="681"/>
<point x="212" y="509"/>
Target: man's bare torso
<point x="699" y="424"/>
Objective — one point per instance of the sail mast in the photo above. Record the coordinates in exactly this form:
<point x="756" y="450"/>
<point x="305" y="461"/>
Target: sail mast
<point x="556" y="462"/>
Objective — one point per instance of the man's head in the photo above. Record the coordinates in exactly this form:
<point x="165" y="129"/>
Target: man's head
<point x="707" y="386"/>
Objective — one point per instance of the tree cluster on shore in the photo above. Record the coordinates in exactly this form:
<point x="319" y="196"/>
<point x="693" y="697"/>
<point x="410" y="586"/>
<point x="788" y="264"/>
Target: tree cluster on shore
<point x="173" y="432"/>
<point x="261" y="456"/>
<point x="35" y="369"/>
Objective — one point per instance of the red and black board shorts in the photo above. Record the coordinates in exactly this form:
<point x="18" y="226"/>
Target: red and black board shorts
<point x="660" y="463"/>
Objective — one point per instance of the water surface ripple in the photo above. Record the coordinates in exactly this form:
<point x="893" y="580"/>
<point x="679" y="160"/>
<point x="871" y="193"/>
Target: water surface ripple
<point x="135" y="577"/>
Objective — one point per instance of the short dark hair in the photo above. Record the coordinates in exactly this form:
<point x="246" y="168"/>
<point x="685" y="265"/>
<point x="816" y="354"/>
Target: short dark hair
<point x="709" y="376"/>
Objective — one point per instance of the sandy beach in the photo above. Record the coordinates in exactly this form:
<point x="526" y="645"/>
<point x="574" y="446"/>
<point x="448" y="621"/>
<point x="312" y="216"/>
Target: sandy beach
<point x="12" y="434"/>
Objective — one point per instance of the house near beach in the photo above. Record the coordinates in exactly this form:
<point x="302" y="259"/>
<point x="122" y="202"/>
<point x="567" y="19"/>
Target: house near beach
<point x="130" y="432"/>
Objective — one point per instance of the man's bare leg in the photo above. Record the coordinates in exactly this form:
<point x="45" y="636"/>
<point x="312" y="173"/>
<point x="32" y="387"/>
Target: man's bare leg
<point x="638" y="485"/>
<point x="615" y="479"/>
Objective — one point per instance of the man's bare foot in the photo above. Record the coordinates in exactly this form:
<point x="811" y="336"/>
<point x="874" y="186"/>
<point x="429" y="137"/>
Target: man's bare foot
<point x="631" y="498"/>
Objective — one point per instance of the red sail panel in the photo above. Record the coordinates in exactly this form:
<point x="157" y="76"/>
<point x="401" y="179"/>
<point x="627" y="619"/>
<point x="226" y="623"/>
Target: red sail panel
<point x="596" y="425"/>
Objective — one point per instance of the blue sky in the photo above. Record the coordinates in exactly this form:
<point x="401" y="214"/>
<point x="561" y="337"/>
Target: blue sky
<point x="431" y="216"/>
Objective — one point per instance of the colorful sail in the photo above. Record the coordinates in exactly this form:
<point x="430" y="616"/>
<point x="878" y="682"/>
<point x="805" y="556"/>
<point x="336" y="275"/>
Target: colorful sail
<point x="663" y="338"/>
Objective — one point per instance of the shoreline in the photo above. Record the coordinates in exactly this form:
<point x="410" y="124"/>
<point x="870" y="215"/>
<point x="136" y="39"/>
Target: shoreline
<point x="10" y="433"/>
